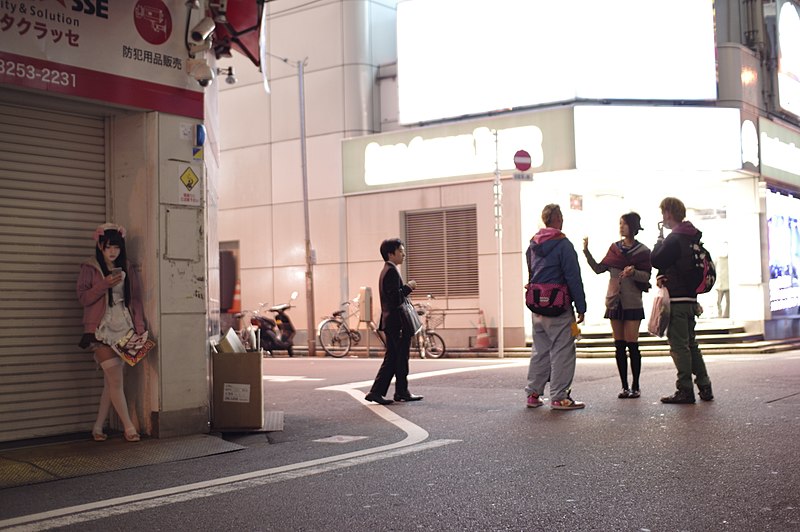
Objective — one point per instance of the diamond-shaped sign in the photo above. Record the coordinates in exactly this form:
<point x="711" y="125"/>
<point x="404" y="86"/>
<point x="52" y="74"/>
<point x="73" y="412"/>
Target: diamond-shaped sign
<point x="189" y="179"/>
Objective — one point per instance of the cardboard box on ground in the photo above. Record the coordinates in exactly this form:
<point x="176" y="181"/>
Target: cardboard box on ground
<point x="238" y="386"/>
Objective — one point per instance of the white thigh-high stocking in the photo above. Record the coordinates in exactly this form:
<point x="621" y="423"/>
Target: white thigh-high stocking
<point x="112" y="369"/>
<point x="102" y="412"/>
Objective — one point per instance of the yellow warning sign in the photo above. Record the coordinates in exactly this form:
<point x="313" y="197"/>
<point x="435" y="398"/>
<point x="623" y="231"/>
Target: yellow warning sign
<point x="189" y="179"/>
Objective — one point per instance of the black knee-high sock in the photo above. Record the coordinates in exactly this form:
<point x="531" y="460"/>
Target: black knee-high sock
<point x="622" y="362"/>
<point x="636" y="362"/>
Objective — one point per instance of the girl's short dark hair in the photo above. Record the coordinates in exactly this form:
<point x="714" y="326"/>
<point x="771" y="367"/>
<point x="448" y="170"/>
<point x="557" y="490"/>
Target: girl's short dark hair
<point x="634" y="222"/>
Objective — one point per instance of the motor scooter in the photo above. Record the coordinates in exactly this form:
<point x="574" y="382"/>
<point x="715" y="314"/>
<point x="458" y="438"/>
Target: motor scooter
<point x="277" y="334"/>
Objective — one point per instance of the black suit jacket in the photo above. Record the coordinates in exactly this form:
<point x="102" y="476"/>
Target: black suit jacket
<point x="392" y="293"/>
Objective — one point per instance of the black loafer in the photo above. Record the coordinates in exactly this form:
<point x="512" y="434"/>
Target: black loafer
<point x="375" y="398"/>
<point x="407" y="397"/>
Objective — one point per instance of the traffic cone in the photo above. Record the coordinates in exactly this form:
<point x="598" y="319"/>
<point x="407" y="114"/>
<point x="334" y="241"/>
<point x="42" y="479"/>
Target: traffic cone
<point x="482" y="340"/>
<point x="236" y="305"/>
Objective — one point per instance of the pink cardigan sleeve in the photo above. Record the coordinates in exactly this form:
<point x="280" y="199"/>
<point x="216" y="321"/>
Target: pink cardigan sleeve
<point x="91" y="285"/>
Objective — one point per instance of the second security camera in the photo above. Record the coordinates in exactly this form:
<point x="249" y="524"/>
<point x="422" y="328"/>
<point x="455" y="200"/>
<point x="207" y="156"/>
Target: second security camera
<point x="203" y="29"/>
<point x="201" y="72"/>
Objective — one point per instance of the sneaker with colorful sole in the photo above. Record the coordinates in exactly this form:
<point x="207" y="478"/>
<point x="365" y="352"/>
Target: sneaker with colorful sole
<point x="568" y="403"/>
<point x="534" y="401"/>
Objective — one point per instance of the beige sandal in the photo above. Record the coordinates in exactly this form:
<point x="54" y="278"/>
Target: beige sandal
<point x="132" y="436"/>
<point x="99" y="436"/>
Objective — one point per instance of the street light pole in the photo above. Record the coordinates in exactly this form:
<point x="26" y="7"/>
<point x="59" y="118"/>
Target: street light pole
<point x="309" y="255"/>
<point x="498" y="231"/>
<point x="309" y="276"/>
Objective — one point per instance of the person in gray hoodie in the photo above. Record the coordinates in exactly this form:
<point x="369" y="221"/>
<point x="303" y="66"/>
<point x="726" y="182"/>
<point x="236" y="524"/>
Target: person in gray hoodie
<point x="675" y="262"/>
<point x="552" y="261"/>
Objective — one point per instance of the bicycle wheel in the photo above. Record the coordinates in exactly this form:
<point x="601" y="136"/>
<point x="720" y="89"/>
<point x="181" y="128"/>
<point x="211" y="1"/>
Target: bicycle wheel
<point x="434" y="345"/>
<point x="334" y="338"/>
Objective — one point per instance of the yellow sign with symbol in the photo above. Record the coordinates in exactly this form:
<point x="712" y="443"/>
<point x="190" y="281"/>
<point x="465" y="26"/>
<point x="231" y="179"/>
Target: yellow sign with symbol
<point x="189" y="179"/>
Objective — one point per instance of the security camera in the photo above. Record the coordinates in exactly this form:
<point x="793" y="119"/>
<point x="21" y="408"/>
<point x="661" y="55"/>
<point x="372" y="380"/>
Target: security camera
<point x="201" y="72"/>
<point x="203" y="29"/>
<point x="230" y="79"/>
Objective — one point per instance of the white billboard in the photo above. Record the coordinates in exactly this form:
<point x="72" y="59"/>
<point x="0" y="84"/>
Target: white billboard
<point x="468" y="57"/>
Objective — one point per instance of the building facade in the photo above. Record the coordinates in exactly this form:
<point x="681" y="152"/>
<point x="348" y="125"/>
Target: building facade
<point x="102" y="120"/>
<point x="613" y="123"/>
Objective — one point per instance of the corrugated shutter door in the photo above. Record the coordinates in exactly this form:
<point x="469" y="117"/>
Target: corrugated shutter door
<point x="52" y="196"/>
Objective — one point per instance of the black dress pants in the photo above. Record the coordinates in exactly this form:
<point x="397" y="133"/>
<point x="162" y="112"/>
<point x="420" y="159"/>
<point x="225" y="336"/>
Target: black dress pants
<point x="395" y="364"/>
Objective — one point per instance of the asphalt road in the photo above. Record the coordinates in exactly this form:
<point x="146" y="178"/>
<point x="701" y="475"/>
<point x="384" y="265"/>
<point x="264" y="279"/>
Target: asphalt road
<point x="471" y="456"/>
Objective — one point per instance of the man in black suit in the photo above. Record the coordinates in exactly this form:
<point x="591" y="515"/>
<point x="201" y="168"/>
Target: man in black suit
<point x="398" y="341"/>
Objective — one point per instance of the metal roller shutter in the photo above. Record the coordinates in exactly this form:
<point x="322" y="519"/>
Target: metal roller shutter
<point x="52" y="196"/>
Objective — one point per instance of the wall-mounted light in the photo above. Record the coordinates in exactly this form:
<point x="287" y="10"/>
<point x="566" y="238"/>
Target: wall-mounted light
<point x="230" y="78"/>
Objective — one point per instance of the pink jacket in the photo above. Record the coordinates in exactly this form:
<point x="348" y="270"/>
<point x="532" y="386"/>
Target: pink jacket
<point x="93" y="295"/>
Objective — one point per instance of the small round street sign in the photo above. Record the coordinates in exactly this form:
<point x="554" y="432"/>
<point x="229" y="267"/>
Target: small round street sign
<point x="522" y="160"/>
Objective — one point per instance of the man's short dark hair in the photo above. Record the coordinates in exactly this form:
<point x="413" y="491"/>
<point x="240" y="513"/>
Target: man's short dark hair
<point x="389" y="246"/>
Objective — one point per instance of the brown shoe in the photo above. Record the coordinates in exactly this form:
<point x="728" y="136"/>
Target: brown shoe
<point x="679" y="398"/>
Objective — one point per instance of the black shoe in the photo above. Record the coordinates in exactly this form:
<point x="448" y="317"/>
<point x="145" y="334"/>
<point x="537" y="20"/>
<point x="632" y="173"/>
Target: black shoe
<point x="407" y="397"/>
<point x="635" y="394"/>
<point x="705" y="393"/>
<point x="624" y="394"/>
<point x="375" y="398"/>
<point x="679" y="398"/>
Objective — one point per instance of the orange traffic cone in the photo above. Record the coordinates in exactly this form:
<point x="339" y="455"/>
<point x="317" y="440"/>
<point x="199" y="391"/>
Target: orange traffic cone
<point x="482" y="340"/>
<point x="236" y="305"/>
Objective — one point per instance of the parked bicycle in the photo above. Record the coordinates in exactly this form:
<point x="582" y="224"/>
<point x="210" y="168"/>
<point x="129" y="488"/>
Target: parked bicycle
<point x="428" y="343"/>
<point x="335" y="335"/>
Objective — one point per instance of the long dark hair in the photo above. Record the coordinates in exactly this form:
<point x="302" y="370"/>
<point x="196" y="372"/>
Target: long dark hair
<point x="112" y="237"/>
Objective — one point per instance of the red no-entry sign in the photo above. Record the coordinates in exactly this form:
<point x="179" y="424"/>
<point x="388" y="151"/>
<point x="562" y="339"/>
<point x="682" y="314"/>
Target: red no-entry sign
<point x="522" y="160"/>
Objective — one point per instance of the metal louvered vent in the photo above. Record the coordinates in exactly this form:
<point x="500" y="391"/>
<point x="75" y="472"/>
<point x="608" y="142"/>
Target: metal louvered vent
<point x="442" y="249"/>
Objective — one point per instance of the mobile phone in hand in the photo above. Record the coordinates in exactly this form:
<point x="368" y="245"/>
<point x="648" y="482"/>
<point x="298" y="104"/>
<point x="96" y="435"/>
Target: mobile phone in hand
<point x="116" y="270"/>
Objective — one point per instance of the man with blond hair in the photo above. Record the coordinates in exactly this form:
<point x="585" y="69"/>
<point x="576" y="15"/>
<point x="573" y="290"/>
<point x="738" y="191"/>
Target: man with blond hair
<point x="674" y="259"/>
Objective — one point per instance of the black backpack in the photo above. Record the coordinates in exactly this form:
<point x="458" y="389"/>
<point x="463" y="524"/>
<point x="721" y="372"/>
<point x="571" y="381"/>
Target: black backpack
<point x="704" y="271"/>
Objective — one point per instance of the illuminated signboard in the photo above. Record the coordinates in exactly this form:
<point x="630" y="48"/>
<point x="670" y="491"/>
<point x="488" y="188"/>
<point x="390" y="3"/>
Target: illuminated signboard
<point x="783" y="213"/>
<point x="128" y="53"/>
<point x="789" y="57"/>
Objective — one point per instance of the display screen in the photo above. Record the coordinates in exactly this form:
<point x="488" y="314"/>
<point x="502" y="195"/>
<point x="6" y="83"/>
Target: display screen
<point x="784" y="253"/>
<point x="458" y="58"/>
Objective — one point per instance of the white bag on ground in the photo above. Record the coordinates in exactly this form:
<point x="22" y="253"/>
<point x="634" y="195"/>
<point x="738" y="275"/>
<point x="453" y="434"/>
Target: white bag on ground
<point x="659" y="317"/>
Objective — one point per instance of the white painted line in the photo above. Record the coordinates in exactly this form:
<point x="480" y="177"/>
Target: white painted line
<point x="415" y="435"/>
<point x="154" y="499"/>
<point x="340" y="439"/>
<point x="289" y="378"/>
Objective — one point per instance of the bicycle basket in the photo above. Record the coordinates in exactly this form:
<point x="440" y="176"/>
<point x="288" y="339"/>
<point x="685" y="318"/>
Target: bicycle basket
<point x="435" y="318"/>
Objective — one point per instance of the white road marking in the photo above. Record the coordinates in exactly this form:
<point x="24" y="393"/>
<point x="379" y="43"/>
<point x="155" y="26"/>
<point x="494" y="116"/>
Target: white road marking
<point x="413" y="442"/>
<point x="154" y="499"/>
<point x="289" y="378"/>
<point x="340" y="439"/>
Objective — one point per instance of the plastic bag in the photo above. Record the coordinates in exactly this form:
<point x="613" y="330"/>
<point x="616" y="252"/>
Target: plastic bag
<point x="659" y="317"/>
